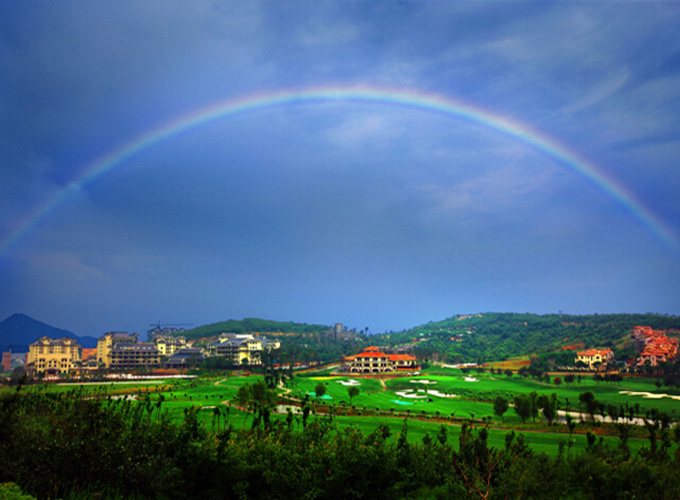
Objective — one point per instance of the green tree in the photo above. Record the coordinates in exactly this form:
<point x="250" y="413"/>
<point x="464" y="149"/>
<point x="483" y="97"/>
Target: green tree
<point x="262" y="400"/>
<point x="10" y="491"/>
<point x="352" y="391"/>
<point x="243" y="395"/>
<point x="320" y="390"/>
<point x="522" y="405"/>
<point x="591" y="404"/>
<point x="533" y="403"/>
<point x="549" y="406"/>
<point x="500" y="406"/>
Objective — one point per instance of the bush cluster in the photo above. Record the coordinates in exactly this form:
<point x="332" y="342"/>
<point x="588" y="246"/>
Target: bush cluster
<point x="66" y="446"/>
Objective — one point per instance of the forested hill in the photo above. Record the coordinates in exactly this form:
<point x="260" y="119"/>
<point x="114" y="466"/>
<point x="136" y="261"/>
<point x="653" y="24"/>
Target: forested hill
<point x="498" y="336"/>
<point x="252" y="325"/>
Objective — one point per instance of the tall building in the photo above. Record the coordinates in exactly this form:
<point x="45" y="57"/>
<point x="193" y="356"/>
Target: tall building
<point x="108" y="341"/>
<point x="53" y="357"/>
<point x="167" y="346"/>
<point x="127" y="356"/>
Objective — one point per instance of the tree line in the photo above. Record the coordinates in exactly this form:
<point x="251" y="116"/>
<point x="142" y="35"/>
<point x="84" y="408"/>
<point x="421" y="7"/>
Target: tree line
<point x="65" y="446"/>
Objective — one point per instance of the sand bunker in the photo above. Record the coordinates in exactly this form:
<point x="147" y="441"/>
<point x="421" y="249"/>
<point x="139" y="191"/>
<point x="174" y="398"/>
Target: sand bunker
<point x="471" y="379"/>
<point x="421" y="394"/>
<point x="412" y="395"/>
<point x="442" y="395"/>
<point x="650" y="395"/>
<point x="348" y="382"/>
<point x="423" y="381"/>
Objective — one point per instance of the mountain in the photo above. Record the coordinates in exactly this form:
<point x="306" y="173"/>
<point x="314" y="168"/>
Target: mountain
<point x="20" y="330"/>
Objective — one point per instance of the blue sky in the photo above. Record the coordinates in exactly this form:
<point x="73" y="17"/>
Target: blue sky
<point x="367" y="213"/>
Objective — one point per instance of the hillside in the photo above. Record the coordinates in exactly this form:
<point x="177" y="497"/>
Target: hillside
<point x="20" y="330"/>
<point x="498" y="336"/>
<point x="252" y="325"/>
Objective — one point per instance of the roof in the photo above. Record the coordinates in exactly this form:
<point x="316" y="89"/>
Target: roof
<point x="55" y="342"/>
<point x="88" y="352"/>
<point x="187" y="353"/>
<point x="371" y="354"/>
<point x="135" y="347"/>
<point x="374" y="352"/>
<point x="595" y="352"/>
<point x="401" y="357"/>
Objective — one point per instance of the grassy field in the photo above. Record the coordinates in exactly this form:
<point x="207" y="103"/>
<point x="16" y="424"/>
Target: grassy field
<point x="473" y="395"/>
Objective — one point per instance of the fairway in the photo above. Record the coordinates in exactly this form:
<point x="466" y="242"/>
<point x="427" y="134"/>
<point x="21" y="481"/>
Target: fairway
<point x="471" y="395"/>
<point x="437" y="397"/>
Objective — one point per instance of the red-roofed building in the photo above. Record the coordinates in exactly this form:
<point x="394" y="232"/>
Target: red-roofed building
<point x="372" y="360"/>
<point x="592" y="356"/>
<point x="657" y="347"/>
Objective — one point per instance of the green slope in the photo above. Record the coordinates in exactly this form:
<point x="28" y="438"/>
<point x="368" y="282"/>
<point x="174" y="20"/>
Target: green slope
<point x="252" y="325"/>
<point x="498" y="336"/>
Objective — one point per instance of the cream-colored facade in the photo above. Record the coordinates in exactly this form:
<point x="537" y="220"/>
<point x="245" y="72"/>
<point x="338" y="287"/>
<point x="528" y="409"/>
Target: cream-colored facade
<point x="167" y="346"/>
<point x="371" y="360"/>
<point x="53" y="356"/>
<point x="108" y="341"/>
<point x="242" y="348"/>
<point x="592" y="356"/>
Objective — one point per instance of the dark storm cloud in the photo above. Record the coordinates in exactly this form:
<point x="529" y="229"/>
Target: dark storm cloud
<point x="364" y="213"/>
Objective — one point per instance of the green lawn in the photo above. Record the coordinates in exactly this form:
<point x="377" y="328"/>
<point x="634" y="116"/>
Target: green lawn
<point x="473" y="400"/>
<point x="476" y="391"/>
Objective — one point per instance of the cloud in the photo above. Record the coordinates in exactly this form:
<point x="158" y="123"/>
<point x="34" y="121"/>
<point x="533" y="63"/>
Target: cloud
<point x="353" y="206"/>
<point x="498" y="193"/>
<point x="366" y="128"/>
<point x="65" y="265"/>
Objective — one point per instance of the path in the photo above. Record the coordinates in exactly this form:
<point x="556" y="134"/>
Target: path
<point x="585" y="417"/>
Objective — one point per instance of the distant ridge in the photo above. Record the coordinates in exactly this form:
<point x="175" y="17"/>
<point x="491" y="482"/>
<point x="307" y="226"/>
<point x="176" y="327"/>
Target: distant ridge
<point x="251" y="325"/>
<point x="19" y="330"/>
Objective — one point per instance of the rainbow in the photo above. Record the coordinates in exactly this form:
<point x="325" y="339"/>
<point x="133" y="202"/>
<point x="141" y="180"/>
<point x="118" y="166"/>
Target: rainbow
<point x="406" y="98"/>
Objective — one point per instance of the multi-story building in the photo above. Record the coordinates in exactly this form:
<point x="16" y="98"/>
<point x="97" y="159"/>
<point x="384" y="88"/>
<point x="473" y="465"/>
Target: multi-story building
<point x="241" y="349"/>
<point x="186" y="358"/>
<point x="371" y="360"/>
<point x="108" y="341"/>
<point x="655" y="345"/>
<point x="168" y="346"/>
<point x="591" y="357"/>
<point x="126" y="356"/>
<point x="53" y="357"/>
